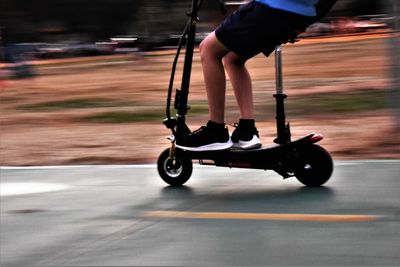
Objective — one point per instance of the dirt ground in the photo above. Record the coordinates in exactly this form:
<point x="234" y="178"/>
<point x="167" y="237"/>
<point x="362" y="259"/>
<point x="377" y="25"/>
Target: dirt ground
<point x="38" y="128"/>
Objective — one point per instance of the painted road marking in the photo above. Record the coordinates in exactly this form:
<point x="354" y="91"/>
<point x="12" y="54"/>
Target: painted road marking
<point x="12" y="189"/>
<point x="263" y="216"/>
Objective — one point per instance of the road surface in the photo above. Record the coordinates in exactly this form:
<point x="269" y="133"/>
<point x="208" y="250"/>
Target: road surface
<point x="126" y="215"/>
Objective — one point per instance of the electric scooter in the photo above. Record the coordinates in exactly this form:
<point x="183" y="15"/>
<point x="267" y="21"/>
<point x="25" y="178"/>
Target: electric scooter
<point x="309" y="163"/>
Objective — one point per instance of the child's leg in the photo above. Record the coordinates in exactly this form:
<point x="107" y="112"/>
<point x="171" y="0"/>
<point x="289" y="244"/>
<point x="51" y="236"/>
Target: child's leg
<point x="212" y="51"/>
<point x="241" y="83"/>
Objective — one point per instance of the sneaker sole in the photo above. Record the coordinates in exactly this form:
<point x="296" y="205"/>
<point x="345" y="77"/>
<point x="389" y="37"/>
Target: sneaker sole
<point x="210" y="147"/>
<point x="252" y="144"/>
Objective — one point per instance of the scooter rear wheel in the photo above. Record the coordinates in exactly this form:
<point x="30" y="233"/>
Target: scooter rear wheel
<point x="314" y="166"/>
<point x="174" y="171"/>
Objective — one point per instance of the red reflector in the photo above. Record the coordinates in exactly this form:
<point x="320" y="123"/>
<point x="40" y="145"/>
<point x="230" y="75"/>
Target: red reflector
<point x="316" y="138"/>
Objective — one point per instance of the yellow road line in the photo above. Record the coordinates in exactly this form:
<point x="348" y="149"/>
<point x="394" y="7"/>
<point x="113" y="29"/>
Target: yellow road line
<point x="262" y="216"/>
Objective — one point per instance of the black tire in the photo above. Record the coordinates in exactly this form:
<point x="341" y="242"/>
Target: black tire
<point x="175" y="171"/>
<point x="314" y="166"/>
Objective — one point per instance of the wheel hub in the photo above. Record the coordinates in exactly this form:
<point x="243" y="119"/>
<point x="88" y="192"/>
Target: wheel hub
<point x="173" y="167"/>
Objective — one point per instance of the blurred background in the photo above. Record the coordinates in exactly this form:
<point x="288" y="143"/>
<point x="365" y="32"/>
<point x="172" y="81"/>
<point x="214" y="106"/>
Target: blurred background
<point x="65" y="28"/>
<point x="85" y="81"/>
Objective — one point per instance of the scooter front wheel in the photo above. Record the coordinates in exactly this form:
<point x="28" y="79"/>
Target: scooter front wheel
<point x="175" y="170"/>
<point x="314" y="166"/>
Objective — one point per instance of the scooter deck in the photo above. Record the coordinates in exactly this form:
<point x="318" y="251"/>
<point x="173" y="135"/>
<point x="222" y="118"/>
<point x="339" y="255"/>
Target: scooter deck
<point x="265" y="157"/>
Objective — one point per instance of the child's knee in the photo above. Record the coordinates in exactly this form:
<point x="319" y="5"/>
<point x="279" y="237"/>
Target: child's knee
<point x="210" y="48"/>
<point x="202" y="49"/>
<point x="205" y="49"/>
<point x="234" y="60"/>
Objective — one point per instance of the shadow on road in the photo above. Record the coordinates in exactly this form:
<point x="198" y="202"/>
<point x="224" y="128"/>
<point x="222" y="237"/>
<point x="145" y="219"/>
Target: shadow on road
<point x="251" y="196"/>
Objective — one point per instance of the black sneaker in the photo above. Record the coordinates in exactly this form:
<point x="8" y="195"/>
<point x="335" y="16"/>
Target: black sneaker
<point x="245" y="136"/>
<point x="207" y="138"/>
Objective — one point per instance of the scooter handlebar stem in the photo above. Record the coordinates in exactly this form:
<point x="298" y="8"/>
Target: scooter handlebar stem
<point x="278" y="70"/>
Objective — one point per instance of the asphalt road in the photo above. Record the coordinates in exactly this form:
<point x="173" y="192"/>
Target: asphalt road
<point x="126" y="215"/>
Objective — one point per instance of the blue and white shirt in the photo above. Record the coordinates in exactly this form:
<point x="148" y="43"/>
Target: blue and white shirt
<point x="302" y="7"/>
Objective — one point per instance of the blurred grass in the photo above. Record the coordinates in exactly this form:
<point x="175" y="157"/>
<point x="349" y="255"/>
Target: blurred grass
<point x="138" y="116"/>
<point x="81" y="103"/>
<point x="339" y="103"/>
<point x="332" y="103"/>
<point x="306" y="105"/>
<point x="122" y="117"/>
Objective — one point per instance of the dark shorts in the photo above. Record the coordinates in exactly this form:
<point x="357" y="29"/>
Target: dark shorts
<point x="256" y="28"/>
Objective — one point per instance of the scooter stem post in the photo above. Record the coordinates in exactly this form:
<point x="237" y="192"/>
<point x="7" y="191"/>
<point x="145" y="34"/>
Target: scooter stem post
<point x="283" y="131"/>
<point x="278" y="70"/>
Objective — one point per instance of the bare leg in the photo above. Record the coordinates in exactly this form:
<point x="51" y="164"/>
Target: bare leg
<point x="241" y="83"/>
<point x="212" y="51"/>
